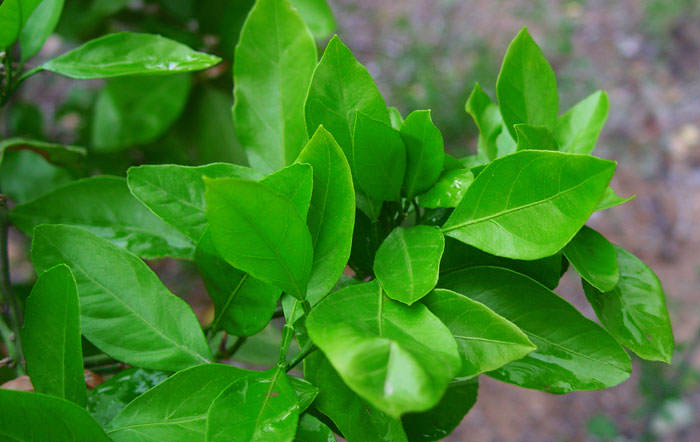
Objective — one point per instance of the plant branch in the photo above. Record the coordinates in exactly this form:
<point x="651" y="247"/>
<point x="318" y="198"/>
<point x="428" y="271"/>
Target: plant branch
<point x="307" y="350"/>
<point x="226" y="354"/>
<point x="14" y="345"/>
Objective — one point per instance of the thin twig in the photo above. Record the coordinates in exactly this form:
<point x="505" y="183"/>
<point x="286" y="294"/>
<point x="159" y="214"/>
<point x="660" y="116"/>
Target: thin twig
<point x="13" y="341"/>
<point x="307" y="350"/>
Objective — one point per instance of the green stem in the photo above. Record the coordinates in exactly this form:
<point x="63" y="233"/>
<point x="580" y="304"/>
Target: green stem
<point x="14" y="345"/>
<point x="307" y="350"/>
<point x="97" y="360"/>
<point x="24" y="76"/>
<point x="234" y="348"/>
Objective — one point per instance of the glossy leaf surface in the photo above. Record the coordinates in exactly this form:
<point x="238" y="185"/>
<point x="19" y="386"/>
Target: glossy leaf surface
<point x="573" y="352"/>
<point x="397" y="357"/>
<point x="408" y="261"/>
<point x="448" y="191"/>
<point x="529" y="204"/>
<point x="425" y="152"/>
<point x="39" y="26"/>
<point x="128" y="53"/>
<point x="311" y="429"/>
<point x="634" y="312"/>
<point x="594" y="259"/>
<point x="275" y="58"/>
<point x="124" y="308"/>
<point x="51" y="336"/>
<point x="103" y="205"/>
<point x="577" y="130"/>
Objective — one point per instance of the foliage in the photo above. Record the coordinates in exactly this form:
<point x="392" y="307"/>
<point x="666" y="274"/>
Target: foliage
<point x="401" y="273"/>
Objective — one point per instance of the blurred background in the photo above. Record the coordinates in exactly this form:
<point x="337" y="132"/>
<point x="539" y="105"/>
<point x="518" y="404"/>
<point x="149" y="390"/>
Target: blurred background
<point x="427" y="54"/>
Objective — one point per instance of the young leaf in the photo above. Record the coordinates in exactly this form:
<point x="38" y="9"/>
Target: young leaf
<point x="611" y="199"/>
<point x="535" y="137"/>
<point x="634" y="312"/>
<point x="395" y="118"/>
<point x="577" y="130"/>
<point x="124" y="308"/>
<point x="593" y="257"/>
<point x="243" y="305"/>
<point x="261" y="232"/>
<point x="529" y="204"/>
<point x="408" y="261"/>
<point x="136" y="110"/>
<point x="311" y="429"/>
<point x="103" y="205"/>
<point x="442" y="419"/>
<point x="51" y="336"/>
<point x="398" y="358"/>
<point x="38" y="417"/>
<point x="317" y="15"/>
<point x="425" y="152"/>
<point x="257" y="407"/>
<point x="275" y="58"/>
<point x="449" y="189"/>
<point x="495" y="140"/>
<point x="39" y="27"/>
<point x="128" y="53"/>
<point x="296" y="182"/>
<point x="176" y="193"/>
<point x="176" y="409"/>
<point x="71" y="157"/>
<point x="331" y="216"/>
<point x="486" y="341"/>
<point x="333" y="103"/>
<point x="526" y="86"/>
<point x="573" y="353"/>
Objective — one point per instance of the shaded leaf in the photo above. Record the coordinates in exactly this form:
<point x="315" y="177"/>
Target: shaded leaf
<point x="594" y="259"/>
<point x="39" y="27"/>
<point x="424" y="152"/>
<point x="448" y="191"/>
<point x="534" y="137"/>
<point x="313" y="430"/>
<point x="296" y="183"/>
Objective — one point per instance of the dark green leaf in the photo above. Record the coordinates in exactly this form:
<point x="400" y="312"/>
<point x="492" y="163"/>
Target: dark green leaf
<point x="25" y="175"/>
<point x="408" y="261"/>
<point x="573" y="353"/>
<point x="634" y="312"/>
<point x="59" y="154"/>
<point x="529" y="204"/>
<point x="51" y="336"/>
<point x="317" y="15"/>
<point x="425" y="152"/>
<point x="577" y="130"/>
<point x="535" y="137"/>
<point x="611" y="199"/>
<point x="313" y="430"/>
<point x="449" y="189"/>
<point x="128" y="53"/>
<point x="39" y="26"/>
<point x="593" y="257"/>
<point x="294" y="182"/>
<point x="124" y="308"/>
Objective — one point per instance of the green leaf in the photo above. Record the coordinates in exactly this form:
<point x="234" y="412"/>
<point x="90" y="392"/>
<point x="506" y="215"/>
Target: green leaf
<point x="593" y="257"/>
<point x="458" y="256"/>
<point x="425" y="152"/>
<point x="611" y="199"/>
<point x="24" y="175"/>
<point x="526" y="86"/>
<point x="176" y="193"/>
<point x="103" y="205"/>
<point x="257" y="407"/>
<point x="317" y="15"/>
<point x="51" y="336"/>
<point x="10" y="22"/>
<point x="294" y="182"/>
<point x="408" y="261"/>
<point x="448" y="191"/>
<point x="573" y="353"/>
<point x="59" y="154"/>
<point x="275" y="58"/>
<point x="124" y="308"/>
<point x="377" y="159"/>
<point x="38" y="417"/>
<point x="243" y="305"/>
<point x="261" y="232"/>
<point x="331" y="216"/>
<point x="441" y="420"/>
<point x="357" y="420"/>
<point x="305" y="391"/>
<point x="495" y="140"/>
<point x="529" y="204"/>
<point x="634" y="312"/>
<point x="128" y="53"/>
<point x="111" y="396"/>
<point x="398" y="358"/>
<point x="340" y="87"/>
<point x="395" y="118"/>
<point x="39" y="27"/>
<point x="136" y="110"/>
<point x="486" y="341"/>
<point x="176" y="409"/>
<point x="578" y="129"/>
<point x="311" y="429"/>
<point x="535" y="137"/>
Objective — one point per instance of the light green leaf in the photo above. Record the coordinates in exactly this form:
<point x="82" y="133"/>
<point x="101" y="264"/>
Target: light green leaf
<point x="573" y="353"/>
<point x="578" y="129"/>
<point x="103" y="205"/>
<point x="408" y="261"/>
<point x="317" y="15"/>
<point x="493" y="138"/>
<point x="275" y="58"/>
<point x="529" y="204"/>
<point x="176" y="409"/>
<point x="425" y="152"/>
<point x="395" y="118"/>
<point x="486" y="341"/>
<point x="39" y="27"/>
<point x="535" y="137"/>
<point x="313" y="430"/>
<point x="634" y="312"/>
<point x="593" y="257"/>
<point x="124" y="308"/>
<point x="449" y="189"/>
<point x="51" y="336"/>
<point x="398" y="358"/>
<point x="128" y="53"/>
<point x="71" y="157"/>
<point x="261" y="232"/>
<point x="10" y="22"/>
<point x="526" y="86"/>
<point x="258" y="407"/>
<point x="294" y="182"/>
<point x="37" y="417"/>
<point x="137" y="110"/>
<point x="611" y="199"/>
<point x="305" y="391"/>
<point x="176" y="193"/>
<point x="331" y="216"/>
